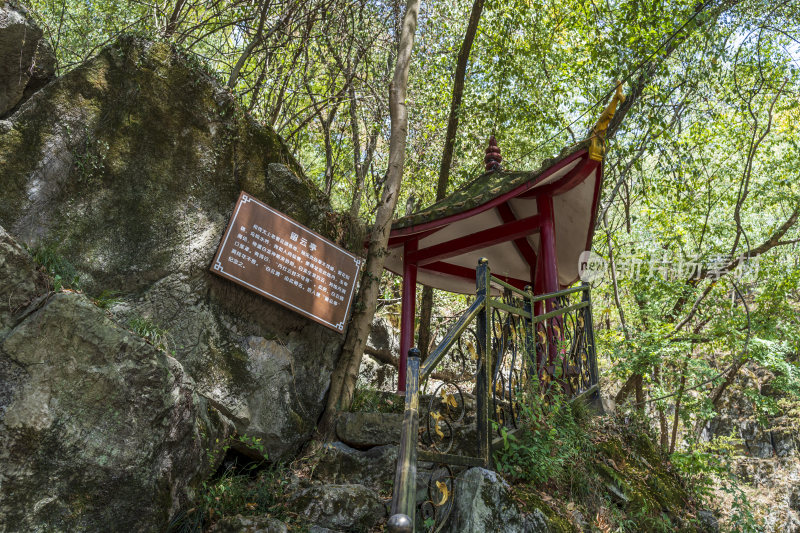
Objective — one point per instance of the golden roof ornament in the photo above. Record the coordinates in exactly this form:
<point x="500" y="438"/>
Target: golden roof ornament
<point x="597" y="146"/>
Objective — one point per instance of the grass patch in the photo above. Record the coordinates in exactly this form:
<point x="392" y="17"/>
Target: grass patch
<point x="601" y="473"/>
<point x="145" y="328"/>
<point x="107" y="299"/>
<point x="63" y="273"/>
<point x="368" y="400"/>
<point x="251" y="490"/>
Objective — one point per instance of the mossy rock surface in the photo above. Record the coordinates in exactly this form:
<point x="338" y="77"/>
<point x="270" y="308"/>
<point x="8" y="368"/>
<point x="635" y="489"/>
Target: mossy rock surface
<point x="127" y="169"/>
<point x="99" y="428"/>
<point x="622" y="480"/>
<point x="28" y="60"/>
<point x="131" y="163"/>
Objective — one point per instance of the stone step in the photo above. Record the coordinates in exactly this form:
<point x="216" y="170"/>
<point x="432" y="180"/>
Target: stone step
<point x="340" y="463"/>
<point x="363" y="431"/>
<point x="340" y="507"/>
<point x="367" y="430"/>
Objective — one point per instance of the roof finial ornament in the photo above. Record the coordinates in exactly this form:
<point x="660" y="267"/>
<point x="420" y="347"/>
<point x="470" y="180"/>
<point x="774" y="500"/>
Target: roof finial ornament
<point x="597" y="146"/>
<point x="493" y="158"/>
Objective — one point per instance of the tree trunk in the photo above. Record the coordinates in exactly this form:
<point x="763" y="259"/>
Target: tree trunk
<point x="173" y="19"/>
<point x="426" y="306"/>
<point x="344" y="376"/>
<point x="425" y="313"/>
<point x="662" y="418"/>
<point x="251" y="46"/>
<point x="678" y="400"/>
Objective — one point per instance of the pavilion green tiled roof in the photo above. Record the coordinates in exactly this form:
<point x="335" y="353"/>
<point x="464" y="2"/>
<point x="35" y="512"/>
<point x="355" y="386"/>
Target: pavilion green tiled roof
<point x="482" y="189"/>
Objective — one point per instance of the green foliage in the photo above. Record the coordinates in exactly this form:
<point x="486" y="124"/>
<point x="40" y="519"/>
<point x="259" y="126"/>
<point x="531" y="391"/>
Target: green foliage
<point x="254" y="443"/>
<point x="684" y="179"/>
<point x="704" y="464"/>
<point x="607" y="468"/>
<point x="64" y="274"/>
<point x="708" y="466"/>
<point x="147" y="329"/>
<point x="88" y="156"/>
<point x="368" y="400"/>
<point x="246" y="493"/>
<point x="107" y="299"/>
<point x="549" y="444"/>
<point x="780" y="358"/>
<point x="233" y="494"/>
<point x="250" y="489"/>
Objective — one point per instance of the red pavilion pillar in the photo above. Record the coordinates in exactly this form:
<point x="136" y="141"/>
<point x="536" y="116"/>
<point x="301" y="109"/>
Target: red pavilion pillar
<point x="548" y="274"/>
<point x="407" y="312"/>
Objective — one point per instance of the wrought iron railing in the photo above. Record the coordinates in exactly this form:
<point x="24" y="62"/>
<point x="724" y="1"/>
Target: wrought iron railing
<point x="522" y="342"/>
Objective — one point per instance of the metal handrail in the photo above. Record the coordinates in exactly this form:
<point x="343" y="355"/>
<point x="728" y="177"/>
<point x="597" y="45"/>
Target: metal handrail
<point x="508" y="286"/>
<point x="451" y="337"/>
<point x="559" y="294"/>
<point x="403" y="510"/>
<point x="405" y="478"/>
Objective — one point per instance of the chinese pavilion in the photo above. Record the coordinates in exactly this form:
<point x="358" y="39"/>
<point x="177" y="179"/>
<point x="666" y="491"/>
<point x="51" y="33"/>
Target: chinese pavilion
<point x="531" y="226"/>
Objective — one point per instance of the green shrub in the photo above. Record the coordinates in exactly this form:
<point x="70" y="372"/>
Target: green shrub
<point x="549" y="442"/>
<point x="145" y="328"/>
<point x="64" y="274"/>
<point x="368" y="400"/>
<point x="106" y="299"/>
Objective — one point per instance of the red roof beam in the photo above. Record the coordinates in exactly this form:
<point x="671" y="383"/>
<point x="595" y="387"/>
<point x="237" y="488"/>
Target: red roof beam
<point x="476" y="241"/>
<point x="523" y="246"/>
<point x="397" y="241"/>
<point x="573" y="178"/>
<point x="458" y="271"/>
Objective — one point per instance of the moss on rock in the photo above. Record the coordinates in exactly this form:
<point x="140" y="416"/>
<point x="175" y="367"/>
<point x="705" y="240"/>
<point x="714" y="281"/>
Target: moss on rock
<point x="114" y="161"/>
<point x="128" y="168"/>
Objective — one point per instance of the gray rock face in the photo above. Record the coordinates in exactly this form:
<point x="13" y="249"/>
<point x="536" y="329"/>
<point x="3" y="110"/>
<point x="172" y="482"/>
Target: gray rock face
<point x="365" y="430"/>
<point x="249" y="524"/>
<point x="21" y="283"/>
<point x="341" y="507"/>
<point x="383" y="337"/>
<point x="128" y="168"/>
<point x="772" y="436"/>
<point x="482" y="503"/>
<point x="99" y="427"/>
<point x="340" y="463"/>
<point x="768" y="455"/>
<point x="708" y="522"/>
<point x="794" y="499"/>
<point x="375" y="374"/>
<point x="284" y="393"/>
<point x="27" y="60"/>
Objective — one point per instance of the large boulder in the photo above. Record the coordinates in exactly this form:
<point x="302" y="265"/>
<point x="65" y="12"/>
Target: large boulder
<point x="339" y="463"/>
<point x="97" y="427"/>
<point x="382" y="345"/>
<point x="365" y="430"/>
<point x="249" y="524"/>
<point x="127" y="168"/>
<point x="21" y="282"/>
<point x="27" y="61"/>
<point x="342" y="507"/>
<point x="483" y="503"/>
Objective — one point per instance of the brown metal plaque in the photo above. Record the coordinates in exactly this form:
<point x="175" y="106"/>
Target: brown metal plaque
<point x="271" y="254"/>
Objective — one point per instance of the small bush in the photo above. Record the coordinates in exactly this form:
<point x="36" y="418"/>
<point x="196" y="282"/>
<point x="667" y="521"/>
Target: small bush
<point x="64" y="274"/>
<point x="145" y="328"/>
<point x="106" y="299"/>
<point x="549" y="442"/>
<point x="367" y="400"/>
